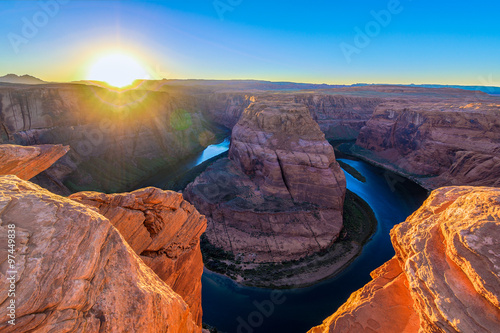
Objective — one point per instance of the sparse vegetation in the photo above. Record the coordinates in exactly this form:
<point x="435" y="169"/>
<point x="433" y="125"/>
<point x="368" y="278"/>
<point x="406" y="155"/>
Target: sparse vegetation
<point x="359" y="224"/>
<point x="352" y="171"/>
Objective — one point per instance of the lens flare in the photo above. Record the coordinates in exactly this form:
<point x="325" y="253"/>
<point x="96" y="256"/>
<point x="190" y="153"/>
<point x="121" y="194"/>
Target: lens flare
<point x="117" y="69"/>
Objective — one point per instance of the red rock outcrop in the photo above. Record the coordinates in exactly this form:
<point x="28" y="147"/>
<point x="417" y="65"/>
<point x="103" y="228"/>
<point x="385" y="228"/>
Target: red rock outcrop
<point x="164" y="230"/>
<point x="280" y="194"/>
<point x="438" y="142"/>
<point x="74" y="272"/>
<point x="445" y="276"/>
<point x="27" y="162"/>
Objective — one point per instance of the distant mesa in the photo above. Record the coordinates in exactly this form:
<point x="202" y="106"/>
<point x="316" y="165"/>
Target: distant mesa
<point x="24" y="79"/>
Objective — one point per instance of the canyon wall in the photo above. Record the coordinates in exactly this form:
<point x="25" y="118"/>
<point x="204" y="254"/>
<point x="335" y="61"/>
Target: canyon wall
<point x="116" y="137"/>
<point x="438" y="143"/>
<point x="224" y="108"/>
<point x="164" y="230"/>
<point x="74" y="272"/>
<point x="279" y="196"/>
<point x="445" y="276"/>
<point x="340" y="117"/>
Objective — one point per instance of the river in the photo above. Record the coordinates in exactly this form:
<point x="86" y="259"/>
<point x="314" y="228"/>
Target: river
<point x="233" y="308"/>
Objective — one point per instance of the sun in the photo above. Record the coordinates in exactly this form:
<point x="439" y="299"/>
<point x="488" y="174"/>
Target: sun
<point x="117" y="69"/>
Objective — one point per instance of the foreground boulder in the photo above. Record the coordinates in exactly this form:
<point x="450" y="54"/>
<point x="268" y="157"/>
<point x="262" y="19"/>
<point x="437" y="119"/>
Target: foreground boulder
<point x="164" y="230"/>
<point x="445" y="276"/>
<point x="27" y="162"/>
<point x="279" y="196"/>
<point x="75" y="272"/>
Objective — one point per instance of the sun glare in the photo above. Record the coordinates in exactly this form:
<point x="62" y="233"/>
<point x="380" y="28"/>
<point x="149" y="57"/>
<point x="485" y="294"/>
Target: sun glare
<point x="118" y="70"/>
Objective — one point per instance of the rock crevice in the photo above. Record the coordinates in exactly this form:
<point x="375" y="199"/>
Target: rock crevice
<point x="164" y="230"/>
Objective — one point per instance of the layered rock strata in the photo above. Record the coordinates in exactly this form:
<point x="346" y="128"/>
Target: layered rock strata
<point x="279" y="196"/>
<point x="74" y="272"/>
<point x="340" y="117"/>
<point x="445" y="276"/>
<point x="164" y="230"/>
<point x="437" y="143"/>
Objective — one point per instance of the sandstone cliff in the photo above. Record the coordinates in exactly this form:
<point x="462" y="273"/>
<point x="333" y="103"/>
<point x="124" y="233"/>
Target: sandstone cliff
<point x="438" y="142"/>
<point x="445" y="276"/>
<point x="280" y="194"/>
<point x="117" y="138"/>
<point x="27" y="162"/>
<point x="340" y="117"/>
<point x="225" y="108"/>
<point x="164" y="230"/>
<point x="75" y="272"/>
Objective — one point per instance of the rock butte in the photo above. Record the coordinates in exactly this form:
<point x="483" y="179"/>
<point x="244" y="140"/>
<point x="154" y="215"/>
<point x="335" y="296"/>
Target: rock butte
<point x="445" y="276"/>
<point x="279" y="196"/>
<point x="164" y="230"/>
<point x="118" y="139"/>
<point x="138" y="132"/>
<point x="76" y="273"/>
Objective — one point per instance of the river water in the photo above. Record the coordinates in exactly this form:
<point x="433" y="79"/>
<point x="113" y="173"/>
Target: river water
<point x="212" y="151"/>
<point x="233" y="308"/>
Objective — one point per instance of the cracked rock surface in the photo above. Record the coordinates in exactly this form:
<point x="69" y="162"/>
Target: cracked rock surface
<point x="164" y="230"/>
<point x="76" y="273"/>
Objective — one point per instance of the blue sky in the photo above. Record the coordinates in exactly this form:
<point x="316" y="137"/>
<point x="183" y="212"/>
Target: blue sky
<point x="419" y="41"/>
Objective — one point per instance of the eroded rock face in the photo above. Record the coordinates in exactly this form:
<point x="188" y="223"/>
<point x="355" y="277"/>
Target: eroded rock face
<point x="27" y="162"/>
<point x="164" y="230"/>
<point x="225" y="108"/>
<point x="280" y="194"/>
<point x="280" y="146"/>
<point x="340" y="117"/>
<point x="76" y="273"/>
<point x="445" y="276"/>
<point x="437" y="143"/>
<point x="117" y="138"/>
